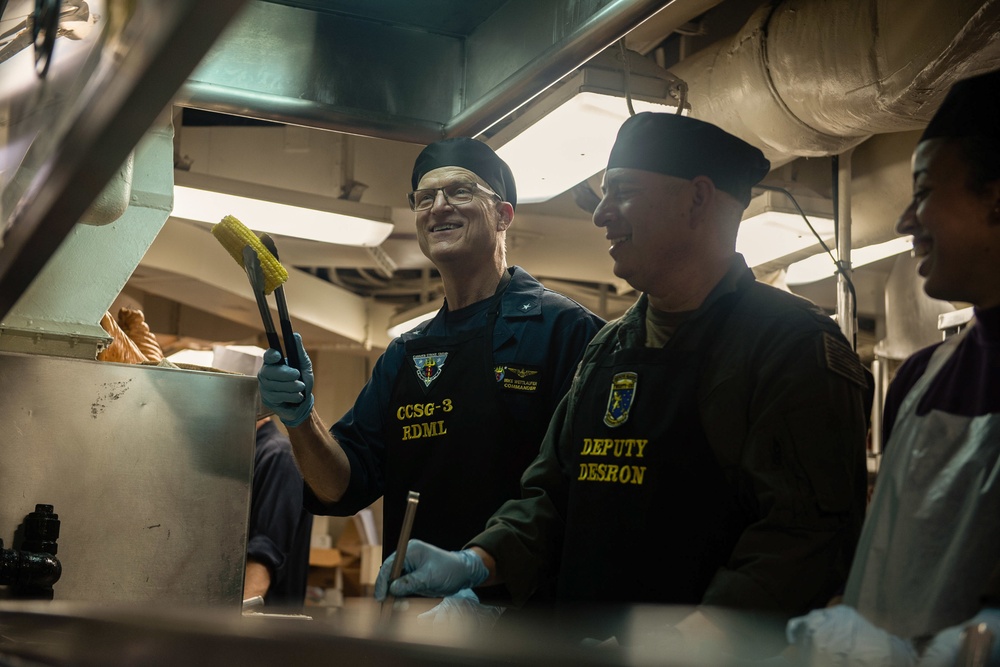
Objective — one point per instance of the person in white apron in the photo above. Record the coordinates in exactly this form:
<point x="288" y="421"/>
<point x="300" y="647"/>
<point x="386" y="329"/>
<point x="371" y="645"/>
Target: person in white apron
<point x="926" y="563"/>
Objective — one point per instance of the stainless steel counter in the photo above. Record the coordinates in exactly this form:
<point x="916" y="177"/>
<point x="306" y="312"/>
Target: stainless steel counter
<point x="148" y="469"/>
<point x="84" y="636"/>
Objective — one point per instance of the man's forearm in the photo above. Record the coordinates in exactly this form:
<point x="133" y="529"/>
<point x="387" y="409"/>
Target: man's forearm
<point x="257" y="579"/>
<point x="320" y="458"/>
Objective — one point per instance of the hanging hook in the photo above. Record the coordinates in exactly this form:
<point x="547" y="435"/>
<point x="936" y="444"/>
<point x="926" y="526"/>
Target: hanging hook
<point x="627" y="75"/>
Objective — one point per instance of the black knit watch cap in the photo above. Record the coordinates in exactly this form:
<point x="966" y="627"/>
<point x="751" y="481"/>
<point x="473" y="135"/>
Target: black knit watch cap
<point x="470" y="154"/>
<point x="970" y="109"/>
<point x="685" y="147"/>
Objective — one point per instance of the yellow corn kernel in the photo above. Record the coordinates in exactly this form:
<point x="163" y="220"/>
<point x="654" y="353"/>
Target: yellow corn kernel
<point x="234" y="235"/>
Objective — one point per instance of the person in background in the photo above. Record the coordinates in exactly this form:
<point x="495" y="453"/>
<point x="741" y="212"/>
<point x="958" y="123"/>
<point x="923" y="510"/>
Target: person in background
<point x="929" y="557"/>
<point x="456" y="408"/>
<point x="711" y="451"/>
<point x="280" y="529"/>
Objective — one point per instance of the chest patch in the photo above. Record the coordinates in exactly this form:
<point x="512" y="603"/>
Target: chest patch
<point x="429" y="366"/>
<point x="522" y="379"/>
<point x="623" y="387"/>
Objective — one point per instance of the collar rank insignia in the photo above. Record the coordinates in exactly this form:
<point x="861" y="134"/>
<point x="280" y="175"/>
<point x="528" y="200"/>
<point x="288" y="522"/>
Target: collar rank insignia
<point x="620" y="400"/>
<point x="429" y="366"/>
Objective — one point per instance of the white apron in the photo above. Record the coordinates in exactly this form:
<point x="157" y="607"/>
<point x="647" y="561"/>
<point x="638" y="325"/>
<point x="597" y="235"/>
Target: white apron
<point x="932" y="537"/>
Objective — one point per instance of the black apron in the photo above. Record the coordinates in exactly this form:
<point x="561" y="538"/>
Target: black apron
<point x="451" y="438"/>
<point x="651" y="516"/>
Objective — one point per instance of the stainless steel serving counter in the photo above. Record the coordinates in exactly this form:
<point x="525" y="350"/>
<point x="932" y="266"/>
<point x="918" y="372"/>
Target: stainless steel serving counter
<point x="147" y="468"/>
<point x="63" y="634"/>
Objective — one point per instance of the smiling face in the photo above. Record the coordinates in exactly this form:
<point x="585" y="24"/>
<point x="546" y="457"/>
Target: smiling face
<point x="646" y="220"/>
<point x="473" y="231"/>
<point x="956" y="231"/>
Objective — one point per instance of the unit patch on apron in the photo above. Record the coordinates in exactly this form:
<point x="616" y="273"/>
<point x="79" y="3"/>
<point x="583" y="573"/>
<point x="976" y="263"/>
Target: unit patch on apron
<point x="517" y="378"/>
<point x="620" y="400"/>
<point x="429" y="366"/>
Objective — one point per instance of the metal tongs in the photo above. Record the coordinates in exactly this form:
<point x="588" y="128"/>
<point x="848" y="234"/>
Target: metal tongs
<point x="412" y="499"/>
<point x="251" y="262"/>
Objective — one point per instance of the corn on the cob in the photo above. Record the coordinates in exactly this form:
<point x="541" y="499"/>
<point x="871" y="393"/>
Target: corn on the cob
<point x="234" y="235"/>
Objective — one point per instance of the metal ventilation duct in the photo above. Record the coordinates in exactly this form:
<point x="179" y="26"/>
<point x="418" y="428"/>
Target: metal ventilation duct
<point x="400" y="70"/>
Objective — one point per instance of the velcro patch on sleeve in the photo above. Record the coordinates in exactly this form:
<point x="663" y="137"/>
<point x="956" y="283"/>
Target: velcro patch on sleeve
<point x="842" y="360"/>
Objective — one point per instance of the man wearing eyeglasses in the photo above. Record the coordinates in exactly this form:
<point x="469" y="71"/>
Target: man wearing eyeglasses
<point x="710" y="452"/>
<point x="456" y="408"/>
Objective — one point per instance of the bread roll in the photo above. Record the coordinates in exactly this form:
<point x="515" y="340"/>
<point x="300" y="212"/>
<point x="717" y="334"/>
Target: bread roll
<point x="122" y="348"/>
<point x="133" y="322"/>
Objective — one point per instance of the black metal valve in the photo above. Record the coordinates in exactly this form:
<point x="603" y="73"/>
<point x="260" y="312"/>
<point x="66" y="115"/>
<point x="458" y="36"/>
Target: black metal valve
<point x="33" y="569"/>
<point x="41" y="530"/>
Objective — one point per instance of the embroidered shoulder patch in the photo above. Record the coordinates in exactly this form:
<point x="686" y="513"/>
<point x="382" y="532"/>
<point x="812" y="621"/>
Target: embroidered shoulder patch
<point x="429" y="366"/>
<point x="842" y="360"/>
<point x="523" y="379"/>
<point x="623" y="386"/>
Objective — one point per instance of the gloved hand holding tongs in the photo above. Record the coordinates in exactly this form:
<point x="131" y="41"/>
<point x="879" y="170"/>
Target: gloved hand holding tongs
<point x="284" y="389"/>
<point x="286" y="382"/>
<point x="285" y="386"/>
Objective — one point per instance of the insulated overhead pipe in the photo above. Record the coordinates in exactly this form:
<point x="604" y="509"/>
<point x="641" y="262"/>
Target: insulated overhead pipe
<point x="816" y="78"/>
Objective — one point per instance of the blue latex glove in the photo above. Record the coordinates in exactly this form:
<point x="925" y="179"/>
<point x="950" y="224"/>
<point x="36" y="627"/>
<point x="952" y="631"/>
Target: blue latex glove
<point x="943" y="649"/>
<point x="284" y="389"/>
<point x="431" y="572"/>
<point x="463" y="608"/>
<point x="839" y="636"/>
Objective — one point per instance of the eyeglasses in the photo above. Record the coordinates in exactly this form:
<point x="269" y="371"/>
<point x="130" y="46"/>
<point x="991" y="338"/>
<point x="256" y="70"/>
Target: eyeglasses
<point x="454" y="193"/>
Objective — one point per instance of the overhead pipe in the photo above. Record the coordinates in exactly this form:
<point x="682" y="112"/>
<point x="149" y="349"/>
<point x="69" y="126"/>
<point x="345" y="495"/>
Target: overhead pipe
<point x="847" y="317"/>
<point x="814" y="78"/>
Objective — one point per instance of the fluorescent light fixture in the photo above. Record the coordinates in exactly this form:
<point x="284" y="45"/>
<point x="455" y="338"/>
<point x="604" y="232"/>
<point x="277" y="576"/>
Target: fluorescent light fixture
<point x="569" y="145"/>
<point x="772" y="228"/>
<point x="566" y="136"/>
<point x="408" y="319"/>
<point x="277" y="211"/>
<point x="820" y="266"/>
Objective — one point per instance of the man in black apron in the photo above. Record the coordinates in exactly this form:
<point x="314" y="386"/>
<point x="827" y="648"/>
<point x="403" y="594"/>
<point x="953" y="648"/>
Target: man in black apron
<point x="456" y="408"/>
<point x="712" y="448"/>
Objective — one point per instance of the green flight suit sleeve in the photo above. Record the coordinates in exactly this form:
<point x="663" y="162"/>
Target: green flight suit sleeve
<point x="800" y="471"/>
